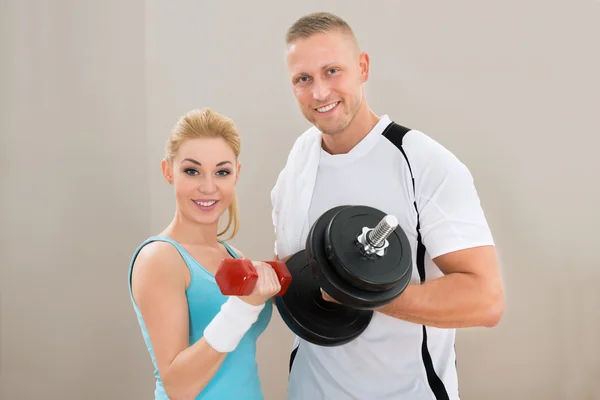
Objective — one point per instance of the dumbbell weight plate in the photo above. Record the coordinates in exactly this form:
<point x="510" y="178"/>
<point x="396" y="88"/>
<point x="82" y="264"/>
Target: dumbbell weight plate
<point x="315" y="320"/>
<point x="336" y="285"/>
<point x="369" y="273"/>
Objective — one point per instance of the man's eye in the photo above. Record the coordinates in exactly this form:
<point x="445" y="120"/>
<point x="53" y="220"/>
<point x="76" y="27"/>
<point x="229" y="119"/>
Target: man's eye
<point x="333" y="70"/>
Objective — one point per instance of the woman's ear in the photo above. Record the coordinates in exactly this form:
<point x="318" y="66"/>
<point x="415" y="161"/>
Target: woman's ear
<point x="237" y="175"/>
<point x="167" y="171"/>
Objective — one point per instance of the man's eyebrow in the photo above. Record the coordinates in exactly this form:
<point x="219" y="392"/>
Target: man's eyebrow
<point x="298" y="75"/>
<point x="322" y="68"/>
<point x="330" y="65"/>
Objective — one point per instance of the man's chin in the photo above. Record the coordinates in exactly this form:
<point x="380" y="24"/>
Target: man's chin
<point x="327" y="127"/>
<point x="331" y="128"/>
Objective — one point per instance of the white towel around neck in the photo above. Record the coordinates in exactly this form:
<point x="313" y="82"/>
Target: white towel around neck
<point x="293" y="192"/>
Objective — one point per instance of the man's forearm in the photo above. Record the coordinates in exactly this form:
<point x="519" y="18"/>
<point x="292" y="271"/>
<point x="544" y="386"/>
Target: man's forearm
<point x="456" y="300"/>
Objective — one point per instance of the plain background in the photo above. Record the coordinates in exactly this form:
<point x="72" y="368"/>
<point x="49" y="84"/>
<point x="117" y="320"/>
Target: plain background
<point x="89" y="91"/>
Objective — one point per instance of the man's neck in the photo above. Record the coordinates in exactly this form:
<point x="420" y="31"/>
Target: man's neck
<point x="342" y="142"/>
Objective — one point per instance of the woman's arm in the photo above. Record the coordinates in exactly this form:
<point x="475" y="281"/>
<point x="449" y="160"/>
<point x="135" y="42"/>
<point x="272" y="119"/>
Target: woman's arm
<point x="159" y="285"/>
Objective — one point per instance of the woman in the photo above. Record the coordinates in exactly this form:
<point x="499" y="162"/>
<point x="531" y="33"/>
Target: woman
<point x="202" y="343"/>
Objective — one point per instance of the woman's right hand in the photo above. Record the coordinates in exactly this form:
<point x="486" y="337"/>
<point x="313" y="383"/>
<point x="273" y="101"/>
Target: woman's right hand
<point x="267" y="284"/>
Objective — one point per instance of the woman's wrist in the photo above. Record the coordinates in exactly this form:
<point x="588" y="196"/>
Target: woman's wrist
<point x="231" y="323"/>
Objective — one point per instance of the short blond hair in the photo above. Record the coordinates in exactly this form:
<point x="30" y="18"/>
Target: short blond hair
<point x="207" y="123"/>
<point x="315" y="23"/>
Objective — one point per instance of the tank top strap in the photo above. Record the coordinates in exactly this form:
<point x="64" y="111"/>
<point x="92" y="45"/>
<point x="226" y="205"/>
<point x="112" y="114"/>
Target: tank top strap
<point x="230" y="250"/>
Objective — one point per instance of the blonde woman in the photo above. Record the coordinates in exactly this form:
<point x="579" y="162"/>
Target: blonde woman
<point x="202" y="343"/>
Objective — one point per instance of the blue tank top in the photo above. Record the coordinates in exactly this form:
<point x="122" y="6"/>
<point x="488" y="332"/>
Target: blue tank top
<point x="237" y="377"/>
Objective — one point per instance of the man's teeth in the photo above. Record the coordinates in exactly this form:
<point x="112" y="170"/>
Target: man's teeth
<point x="206" y="203"/>
<point x="327" y="108"/>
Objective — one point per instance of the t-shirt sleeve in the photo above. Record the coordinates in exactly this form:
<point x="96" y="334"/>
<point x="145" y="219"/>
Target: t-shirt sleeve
<point x="450" y="212"/>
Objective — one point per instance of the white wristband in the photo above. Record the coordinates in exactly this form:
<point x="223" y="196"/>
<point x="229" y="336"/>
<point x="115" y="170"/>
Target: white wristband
<point x="230" y="325"/>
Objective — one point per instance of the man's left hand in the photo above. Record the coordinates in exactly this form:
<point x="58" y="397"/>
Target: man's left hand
<point x="327" y="297"/>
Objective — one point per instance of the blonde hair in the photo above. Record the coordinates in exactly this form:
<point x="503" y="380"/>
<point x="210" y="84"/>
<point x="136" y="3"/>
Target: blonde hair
<point x="318" y="22"/>
<point x="206" y="123"/>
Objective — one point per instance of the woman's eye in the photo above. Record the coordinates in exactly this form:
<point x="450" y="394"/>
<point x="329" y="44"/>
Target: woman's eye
<point x="223" y="172"/>
<point x="190" y="171"/>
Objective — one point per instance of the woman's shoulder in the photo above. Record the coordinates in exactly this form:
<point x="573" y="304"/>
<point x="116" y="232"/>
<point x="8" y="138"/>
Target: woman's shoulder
<point x="156" y="249"/>
<point x="157" y="257"/>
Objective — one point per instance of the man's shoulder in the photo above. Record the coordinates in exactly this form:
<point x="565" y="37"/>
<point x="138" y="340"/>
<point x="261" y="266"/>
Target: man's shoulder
<point x="424" y="150"/>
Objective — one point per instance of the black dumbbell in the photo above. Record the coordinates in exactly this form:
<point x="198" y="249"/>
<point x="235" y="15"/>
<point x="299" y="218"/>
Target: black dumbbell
<point x="357" y="255"/>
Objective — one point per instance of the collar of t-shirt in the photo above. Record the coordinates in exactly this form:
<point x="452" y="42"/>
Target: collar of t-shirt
<point x="362" y="148"/>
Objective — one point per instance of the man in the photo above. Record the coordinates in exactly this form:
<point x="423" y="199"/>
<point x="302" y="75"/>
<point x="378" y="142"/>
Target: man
<point x="353" y="156"/>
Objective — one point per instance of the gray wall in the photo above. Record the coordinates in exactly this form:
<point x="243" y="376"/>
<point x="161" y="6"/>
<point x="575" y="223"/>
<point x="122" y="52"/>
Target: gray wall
<point x="89" y="92"/>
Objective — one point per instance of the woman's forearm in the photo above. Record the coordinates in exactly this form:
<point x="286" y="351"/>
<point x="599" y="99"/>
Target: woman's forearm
<point x="191" y="370"/>
<point x="195" y="366"/>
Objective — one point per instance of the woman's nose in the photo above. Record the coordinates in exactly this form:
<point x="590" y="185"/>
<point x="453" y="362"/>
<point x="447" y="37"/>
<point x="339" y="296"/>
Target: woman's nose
<point x="208" y="186"/>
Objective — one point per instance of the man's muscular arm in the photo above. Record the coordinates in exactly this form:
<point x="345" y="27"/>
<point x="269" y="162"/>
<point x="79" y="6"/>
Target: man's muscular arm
<point x="471" y="293"/>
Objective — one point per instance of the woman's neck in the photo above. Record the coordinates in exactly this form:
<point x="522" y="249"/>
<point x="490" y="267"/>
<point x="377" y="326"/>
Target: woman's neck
<point x="187" y="232"/>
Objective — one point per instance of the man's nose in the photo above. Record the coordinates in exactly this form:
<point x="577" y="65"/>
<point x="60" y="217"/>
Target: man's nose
<point x="321" y="90"/>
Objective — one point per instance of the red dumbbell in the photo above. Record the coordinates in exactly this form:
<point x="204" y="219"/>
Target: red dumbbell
<point x="237" y="276"/>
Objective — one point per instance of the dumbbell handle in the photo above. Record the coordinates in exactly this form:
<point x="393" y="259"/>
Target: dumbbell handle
<point x="237" y="276"/>
<point x="374" y="240"/>
<point x="384" y="228"/>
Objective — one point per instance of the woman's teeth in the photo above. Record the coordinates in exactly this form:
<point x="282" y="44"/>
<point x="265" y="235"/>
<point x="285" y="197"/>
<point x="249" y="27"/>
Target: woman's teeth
<point x="206" y="203"/>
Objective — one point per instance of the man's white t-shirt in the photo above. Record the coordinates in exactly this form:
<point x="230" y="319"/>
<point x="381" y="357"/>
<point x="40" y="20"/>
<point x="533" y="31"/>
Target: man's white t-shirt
<point x="392" y="358"/>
